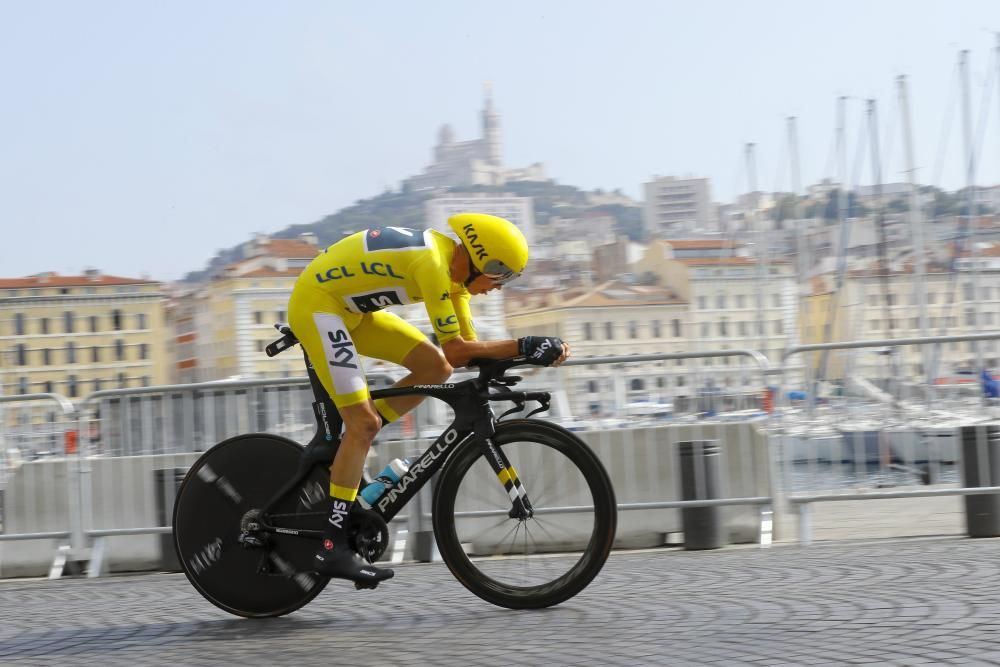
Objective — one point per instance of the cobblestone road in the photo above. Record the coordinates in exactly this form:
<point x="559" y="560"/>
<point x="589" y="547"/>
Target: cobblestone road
<point x="925" y="601"/>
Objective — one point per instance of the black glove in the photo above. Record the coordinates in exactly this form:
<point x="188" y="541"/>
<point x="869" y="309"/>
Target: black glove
<point x="541" y="350"/>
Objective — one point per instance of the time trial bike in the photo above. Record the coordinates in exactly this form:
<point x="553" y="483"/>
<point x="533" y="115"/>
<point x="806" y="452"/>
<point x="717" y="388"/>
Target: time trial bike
<point x="524" y="513"/>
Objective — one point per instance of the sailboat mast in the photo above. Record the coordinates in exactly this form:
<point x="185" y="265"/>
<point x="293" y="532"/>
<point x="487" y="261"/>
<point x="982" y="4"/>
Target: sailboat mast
<point x="883" y="251"/>
<point x="761" y="252"/>
<point x="831" y="313"/>
<point x="916" y="228"/>
<point x="972" y="231"/>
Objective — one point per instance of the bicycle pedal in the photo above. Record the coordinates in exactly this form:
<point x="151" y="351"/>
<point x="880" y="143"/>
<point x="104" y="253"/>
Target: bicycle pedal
<point x="361" y="585"/>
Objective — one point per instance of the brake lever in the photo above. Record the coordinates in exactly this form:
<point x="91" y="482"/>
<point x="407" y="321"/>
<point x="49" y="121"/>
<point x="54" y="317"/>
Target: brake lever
<point x="518" y="406"/>
<point x="542" y="407"/>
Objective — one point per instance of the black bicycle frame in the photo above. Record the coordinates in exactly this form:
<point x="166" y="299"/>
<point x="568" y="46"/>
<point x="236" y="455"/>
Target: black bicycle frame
<point x="473" y="418"/>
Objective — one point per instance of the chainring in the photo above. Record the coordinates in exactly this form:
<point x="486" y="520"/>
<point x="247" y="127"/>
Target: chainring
<point x="368" y="533"/>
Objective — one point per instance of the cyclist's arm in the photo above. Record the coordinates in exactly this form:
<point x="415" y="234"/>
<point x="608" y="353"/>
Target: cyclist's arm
<point x="459" y="351"/>
<point x="460" y="300"/>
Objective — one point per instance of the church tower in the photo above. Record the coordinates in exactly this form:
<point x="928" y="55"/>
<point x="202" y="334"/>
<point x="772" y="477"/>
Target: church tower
<point x="491" y="129"/>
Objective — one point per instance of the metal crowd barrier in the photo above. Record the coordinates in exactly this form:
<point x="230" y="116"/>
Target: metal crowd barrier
<point x="869" y="438"/>
<point x="39" y="480"/>
<point x="135" y="445"/>
<point x="642" y="453"/>
<point x="139" y="443"/>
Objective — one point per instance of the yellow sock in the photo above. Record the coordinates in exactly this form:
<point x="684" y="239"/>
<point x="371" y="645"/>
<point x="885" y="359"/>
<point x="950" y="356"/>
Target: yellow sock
<point x="343" y="492"/>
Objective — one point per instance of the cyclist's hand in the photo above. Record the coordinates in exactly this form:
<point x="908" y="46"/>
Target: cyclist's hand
<point x="543" y="350"/>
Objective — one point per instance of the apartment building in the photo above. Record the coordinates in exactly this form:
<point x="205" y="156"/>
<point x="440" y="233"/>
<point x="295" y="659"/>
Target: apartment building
<point x="73" y="335"/>
<point x="230" y="319"/>
<point x="735" y="303"/>
<point x="675" y="206"/>
<point x="614" y="318"/>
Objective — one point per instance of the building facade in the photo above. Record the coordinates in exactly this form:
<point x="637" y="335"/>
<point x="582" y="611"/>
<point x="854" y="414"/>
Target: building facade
<point x="73" y="335"/>
<point x="613" y="318"/>
<point x="229" y="320"/>
<point x="677" y="206"/>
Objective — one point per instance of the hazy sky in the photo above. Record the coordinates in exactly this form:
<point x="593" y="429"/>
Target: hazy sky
<point x="139" y="137"/>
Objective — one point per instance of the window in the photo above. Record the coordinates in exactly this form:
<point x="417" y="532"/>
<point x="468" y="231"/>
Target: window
<point x="779" y="328"/>
<point x="258" y="317"/>
<point x="281" y="316"/>
<point x="970" y="316"/>
<point x="119" y="350"/>
<point x="68" y="322"/>
<point x="22" y="355"/>
<point x="43" y="325"/>
<point x="680" y="380"/>
<point x="890" y="299"/>
<point x="705" y="330"/>
<point x="122" y="381"/>
<point x="743" y="329"/>
<point x="144" y="350"/>
<point x="95" y="354"/>
<point x="22" y="385"/>
<point x="676" y="324"/>
<point x="46" y="359"/>
<point x="70" y="353"/>
<point x="93" y="324"/>
<point x="609" y="332"/>
<point x="588" y="332"/>
<point x="723" y="327"/>
<point x="116" y="320"/>
<point x="969" y="292"/>
<point x="637" y="384"/>
<point x="633" y="330"/>
<point x="71" y="386"/>
<point x="720" y="301"/>
<point x="97" y="384"/>
<point x="48" y="387"/>
<point x="656" y="328"/>
<point x="140" y="321"/>
<point x="145" y="380"/>
<point x="592" y="386"/>
<point x="702" y="302"/>
<point x="19" y="324"/>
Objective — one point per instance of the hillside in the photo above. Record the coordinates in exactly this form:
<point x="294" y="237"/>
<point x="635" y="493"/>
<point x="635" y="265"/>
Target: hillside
<point x="406" y="209"/>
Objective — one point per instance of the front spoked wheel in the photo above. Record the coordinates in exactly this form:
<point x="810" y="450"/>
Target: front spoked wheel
<point x="534" y="562"/>
<point x="216" y="506"/>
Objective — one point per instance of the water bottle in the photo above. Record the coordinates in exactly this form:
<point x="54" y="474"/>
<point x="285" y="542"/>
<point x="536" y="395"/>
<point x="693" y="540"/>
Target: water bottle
<point x="389" y="476"/>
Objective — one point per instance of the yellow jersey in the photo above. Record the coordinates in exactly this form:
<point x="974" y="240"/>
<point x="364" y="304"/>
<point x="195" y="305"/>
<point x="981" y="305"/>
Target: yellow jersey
<point x="387" y="266"/>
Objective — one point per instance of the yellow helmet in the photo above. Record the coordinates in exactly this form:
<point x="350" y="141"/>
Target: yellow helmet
<point x="496" y="247"/>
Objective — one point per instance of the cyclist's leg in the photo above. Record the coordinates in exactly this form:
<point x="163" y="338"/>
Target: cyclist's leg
<point x="384" y="335"/>
<point x="327" y="340"/>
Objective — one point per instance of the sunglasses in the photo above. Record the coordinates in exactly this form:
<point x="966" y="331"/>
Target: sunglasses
<point x="502" y="278"/>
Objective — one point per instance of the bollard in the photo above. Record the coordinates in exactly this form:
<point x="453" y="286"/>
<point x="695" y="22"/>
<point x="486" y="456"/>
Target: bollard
<point x="981" y="467"/>
<point x="700" y="476"/>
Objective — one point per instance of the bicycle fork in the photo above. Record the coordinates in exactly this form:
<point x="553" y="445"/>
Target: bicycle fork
<point x="520" y="505"/>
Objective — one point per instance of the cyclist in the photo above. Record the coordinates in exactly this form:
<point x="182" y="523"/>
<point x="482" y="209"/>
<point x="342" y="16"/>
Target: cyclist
<point x="335" y="311"/>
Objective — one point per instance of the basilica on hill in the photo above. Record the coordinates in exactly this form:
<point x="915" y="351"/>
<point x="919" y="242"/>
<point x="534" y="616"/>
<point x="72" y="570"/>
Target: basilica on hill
<point x="474" y="162"/>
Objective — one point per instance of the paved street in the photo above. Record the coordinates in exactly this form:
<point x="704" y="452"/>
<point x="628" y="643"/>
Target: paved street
<point x="919" y="601"/>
